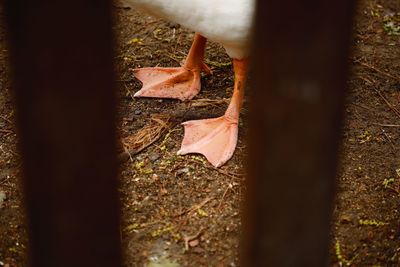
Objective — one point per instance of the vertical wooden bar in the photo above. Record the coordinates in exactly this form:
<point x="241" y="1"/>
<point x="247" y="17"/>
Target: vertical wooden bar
<point x="300" y="65"/>
<point x="61" y="55"/>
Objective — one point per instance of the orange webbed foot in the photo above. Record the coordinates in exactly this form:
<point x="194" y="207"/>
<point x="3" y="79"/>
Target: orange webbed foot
<point x="181" y="83"/>
<point x="214" y="138"/>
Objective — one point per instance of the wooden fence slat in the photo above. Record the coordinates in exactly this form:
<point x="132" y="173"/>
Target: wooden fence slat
<point x="61" y="55"/>
<point x="299" y="81"/>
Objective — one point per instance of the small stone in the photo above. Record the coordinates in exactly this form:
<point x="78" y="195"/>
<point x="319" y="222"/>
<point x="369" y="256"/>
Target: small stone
<point x="170" y="145"/>
<point x="155" y="177"/>
<point x="214" y="203"/>
<point x="3" y="197"/>
<point x="182" y="171"/>
<point x="163" y="191"/>
<point x="145" y="253"/>
<point x="194" y="243"/>
<point x="154" y="156"/>
<point x="173" y="25"/>
<point x="198" y="250"/>
<point x="137" y="112"/>
<point x="345" y="219"/>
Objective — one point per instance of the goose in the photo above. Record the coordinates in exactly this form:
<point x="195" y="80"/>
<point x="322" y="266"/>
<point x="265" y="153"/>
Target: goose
<point x="228" y="22"/>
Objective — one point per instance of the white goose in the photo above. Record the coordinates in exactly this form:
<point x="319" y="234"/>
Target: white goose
<point x="228" y="22"/>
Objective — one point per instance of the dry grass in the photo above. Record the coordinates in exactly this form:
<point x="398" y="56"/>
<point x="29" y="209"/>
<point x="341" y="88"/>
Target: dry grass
<point x="150" y="133"/>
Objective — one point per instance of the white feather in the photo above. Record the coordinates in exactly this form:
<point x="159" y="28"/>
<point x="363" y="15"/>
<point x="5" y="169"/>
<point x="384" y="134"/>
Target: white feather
<point x="228" y="22"/>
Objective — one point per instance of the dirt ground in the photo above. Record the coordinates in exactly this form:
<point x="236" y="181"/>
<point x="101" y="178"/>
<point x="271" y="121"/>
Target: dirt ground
<point x="179" y="210"/>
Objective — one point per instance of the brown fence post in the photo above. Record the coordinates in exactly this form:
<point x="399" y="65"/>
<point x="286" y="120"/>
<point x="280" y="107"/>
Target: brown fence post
<point x="61" y="55"/>
<point x="299" y="80"/>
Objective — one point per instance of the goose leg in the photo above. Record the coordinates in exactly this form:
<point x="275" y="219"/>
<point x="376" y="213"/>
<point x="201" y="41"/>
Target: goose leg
<point x="216" y="138"/>
<point x="181" y="83"/>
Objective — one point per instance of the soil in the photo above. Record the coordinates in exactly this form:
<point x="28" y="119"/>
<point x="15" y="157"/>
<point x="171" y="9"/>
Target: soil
<point x="179" y="210"/>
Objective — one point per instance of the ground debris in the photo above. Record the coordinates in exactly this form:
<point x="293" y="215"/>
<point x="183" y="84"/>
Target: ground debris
<point x="150" y="133"/>
<point x="371" y="223"/>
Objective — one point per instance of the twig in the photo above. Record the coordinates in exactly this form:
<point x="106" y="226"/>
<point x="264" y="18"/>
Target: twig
<point x="361" y="106"/>
<point x="234" y="176"/>
<point x="387" y="125"/>
<point x="378" y="70"/>
<point x="208" y="102"/>
<point x="195" y="207"/>
<point x="174" y="58"/>
<point x="178" y="40"/>
<point x="230" y="186"/>
<point x="6" y="131"/>
<point x="140" y="226"/>
<point x="390" y="141"/>
<point x="6" y="119"/>
<point x="187" y="239"/>
<point x="231" y="175"/>
<point x="129" y="92"/>
<point x="125" y="80"/>
<point x="8" y="177"/>
<point x="387" y="103"/>
<point x="129" y="154"/>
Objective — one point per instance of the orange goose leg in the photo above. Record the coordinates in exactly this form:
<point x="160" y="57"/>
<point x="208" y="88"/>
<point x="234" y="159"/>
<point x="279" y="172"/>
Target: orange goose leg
<point x="216" y="138"/>
<point x="181" y="83"/>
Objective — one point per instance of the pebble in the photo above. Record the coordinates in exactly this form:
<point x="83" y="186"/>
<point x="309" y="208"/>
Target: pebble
<point x="3" y="197"/>
<point x="170" y="145"/>
<point x="173" y="25"/>
<point x="198" y="250"/>
<point x="137" y="112"/>
<point x="194" y="243"/>
<point x="183" y="170"/>
<point x="154" y="156"/>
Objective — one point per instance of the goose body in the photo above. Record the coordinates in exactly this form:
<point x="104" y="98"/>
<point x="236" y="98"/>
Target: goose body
<point x="228" y="22"/>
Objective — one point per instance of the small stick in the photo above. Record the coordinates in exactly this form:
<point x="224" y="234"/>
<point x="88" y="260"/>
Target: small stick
<point x="129" y="92"/>
<point x="361" y="106"/>
<point x="388" y="103"/>
<point x="6" y="119"/>
<point x="6" y="131"/>
<point x="129" y="154"/>
<point x="384" y="99"/>
<point x="233" y="176"/>
<point x="390" y="141"/>
<point x="187" y="239"/>
<point x="178" y="40"/>
<point x="195" y="207"/>
<point x="230" y="175"/>
<point x="125" y="80"/>
<point x="387" y="125"/>
<point x="8" y="177"/>
<point x="173" y="58"/>
<point x="230" y="186"/>
<point x="378" y="70"/>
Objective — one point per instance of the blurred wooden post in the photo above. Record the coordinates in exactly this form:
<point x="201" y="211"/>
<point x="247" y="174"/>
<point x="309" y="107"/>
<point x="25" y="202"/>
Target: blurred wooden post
<point x="61" y="55"/>
<point x="299" y="80"/>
